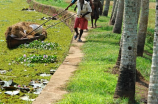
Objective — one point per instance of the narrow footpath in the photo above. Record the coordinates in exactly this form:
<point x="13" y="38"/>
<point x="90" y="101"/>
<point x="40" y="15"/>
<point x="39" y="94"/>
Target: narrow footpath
<point x="55" y="89"/>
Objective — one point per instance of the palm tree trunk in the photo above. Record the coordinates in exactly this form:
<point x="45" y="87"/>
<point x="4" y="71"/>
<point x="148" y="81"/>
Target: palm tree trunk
<point x="106" y="8"/>
<point x="113" y="9"/>
<point x="102" y="2"/>
<point x="138" y="8"/>
<point x="153" y="84"/>
<point x="142" y="27"/>
<point x="126" y="81"/>
<point x="112" y="20"/>
<point x="119" y="55"/>
<point x="118" y="22"/>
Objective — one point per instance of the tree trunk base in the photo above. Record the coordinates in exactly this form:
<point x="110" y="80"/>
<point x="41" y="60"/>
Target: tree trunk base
<point x="139" y="76"/>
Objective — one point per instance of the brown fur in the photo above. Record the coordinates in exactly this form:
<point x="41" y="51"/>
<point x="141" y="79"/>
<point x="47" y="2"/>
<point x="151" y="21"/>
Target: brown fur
<point x="18" y="30"/>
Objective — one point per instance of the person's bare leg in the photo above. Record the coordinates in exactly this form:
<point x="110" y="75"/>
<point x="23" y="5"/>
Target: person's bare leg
<point x="81" y="32"/>
<point x="95" y="23"/>
<point x="76" y="30"/>
<point x="92" y="22"/>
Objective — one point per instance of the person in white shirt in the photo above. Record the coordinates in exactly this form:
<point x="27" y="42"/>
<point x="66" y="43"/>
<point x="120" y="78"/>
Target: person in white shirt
<point x="83" y="15"/>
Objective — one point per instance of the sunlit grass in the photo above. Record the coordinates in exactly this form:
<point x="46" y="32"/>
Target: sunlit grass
<point x="56" y="3"/>
<point x="22" y="72"/>
<point x="151" y="19"/>
<point x="92" y="83"/>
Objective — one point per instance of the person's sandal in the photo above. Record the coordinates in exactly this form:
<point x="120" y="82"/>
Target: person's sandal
<point x="79" y="40"/>
<point x="75" y="37"/>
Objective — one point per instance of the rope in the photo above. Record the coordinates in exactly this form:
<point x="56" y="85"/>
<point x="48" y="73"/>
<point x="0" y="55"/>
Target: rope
<point x="60" y="21"/>
<point x="45" y="22"/>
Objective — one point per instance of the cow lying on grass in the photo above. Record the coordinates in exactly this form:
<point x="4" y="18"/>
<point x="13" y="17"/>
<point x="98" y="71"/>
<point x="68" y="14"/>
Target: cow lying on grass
<point x="23" y="29"/>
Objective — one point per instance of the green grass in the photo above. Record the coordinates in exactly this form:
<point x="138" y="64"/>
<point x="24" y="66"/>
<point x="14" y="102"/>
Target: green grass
<point x="22" y="73"/>
<point x="152" y="0"/>
<point x="56" y="3"/>
<point x="91" y="83"/>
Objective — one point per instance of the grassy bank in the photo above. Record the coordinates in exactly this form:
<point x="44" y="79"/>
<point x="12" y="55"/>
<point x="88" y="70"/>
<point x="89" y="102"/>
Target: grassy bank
<point x="23" y="72"/>
<point x="92" y="83"/>
<point x="56" y="3"/>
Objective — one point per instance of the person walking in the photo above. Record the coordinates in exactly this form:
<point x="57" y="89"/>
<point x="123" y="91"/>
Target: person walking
<point x="83" y="15"/>
<point x="73" y="2"/>
<point x="89" y="1"/>
<point x="95" y="11"/>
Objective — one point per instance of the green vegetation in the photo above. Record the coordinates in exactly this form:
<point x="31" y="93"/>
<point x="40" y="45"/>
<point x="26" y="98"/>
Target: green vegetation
<point x="152" y="0"/>
<point x="93" y="82"/>
<point x="56" y="3"/>
<point x="37" y="59"/>
<point x="41" y="45"/>
<point x="53" y="49"/>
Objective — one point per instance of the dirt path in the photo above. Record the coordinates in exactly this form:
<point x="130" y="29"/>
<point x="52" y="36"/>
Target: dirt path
<point x="55" y="88"/>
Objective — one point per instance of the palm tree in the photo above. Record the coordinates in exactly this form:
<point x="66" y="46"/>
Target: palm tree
<point x="119" y="17"/>
<point x="138" y="8"/>
<point x="114" y="2"/>
<point x="142" y="26"/>
<point x="112" y="20"/>
<point x="126" y="81"/>
<point x="153" y="84"/>
<point x="106" y="8"/>
<point x="102" y="2"/>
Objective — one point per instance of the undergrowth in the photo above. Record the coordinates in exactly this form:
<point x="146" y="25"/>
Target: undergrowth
<point x="25" y="63"/>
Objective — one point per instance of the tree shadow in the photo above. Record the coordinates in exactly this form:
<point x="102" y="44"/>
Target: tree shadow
<point x="106" y="41"/>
